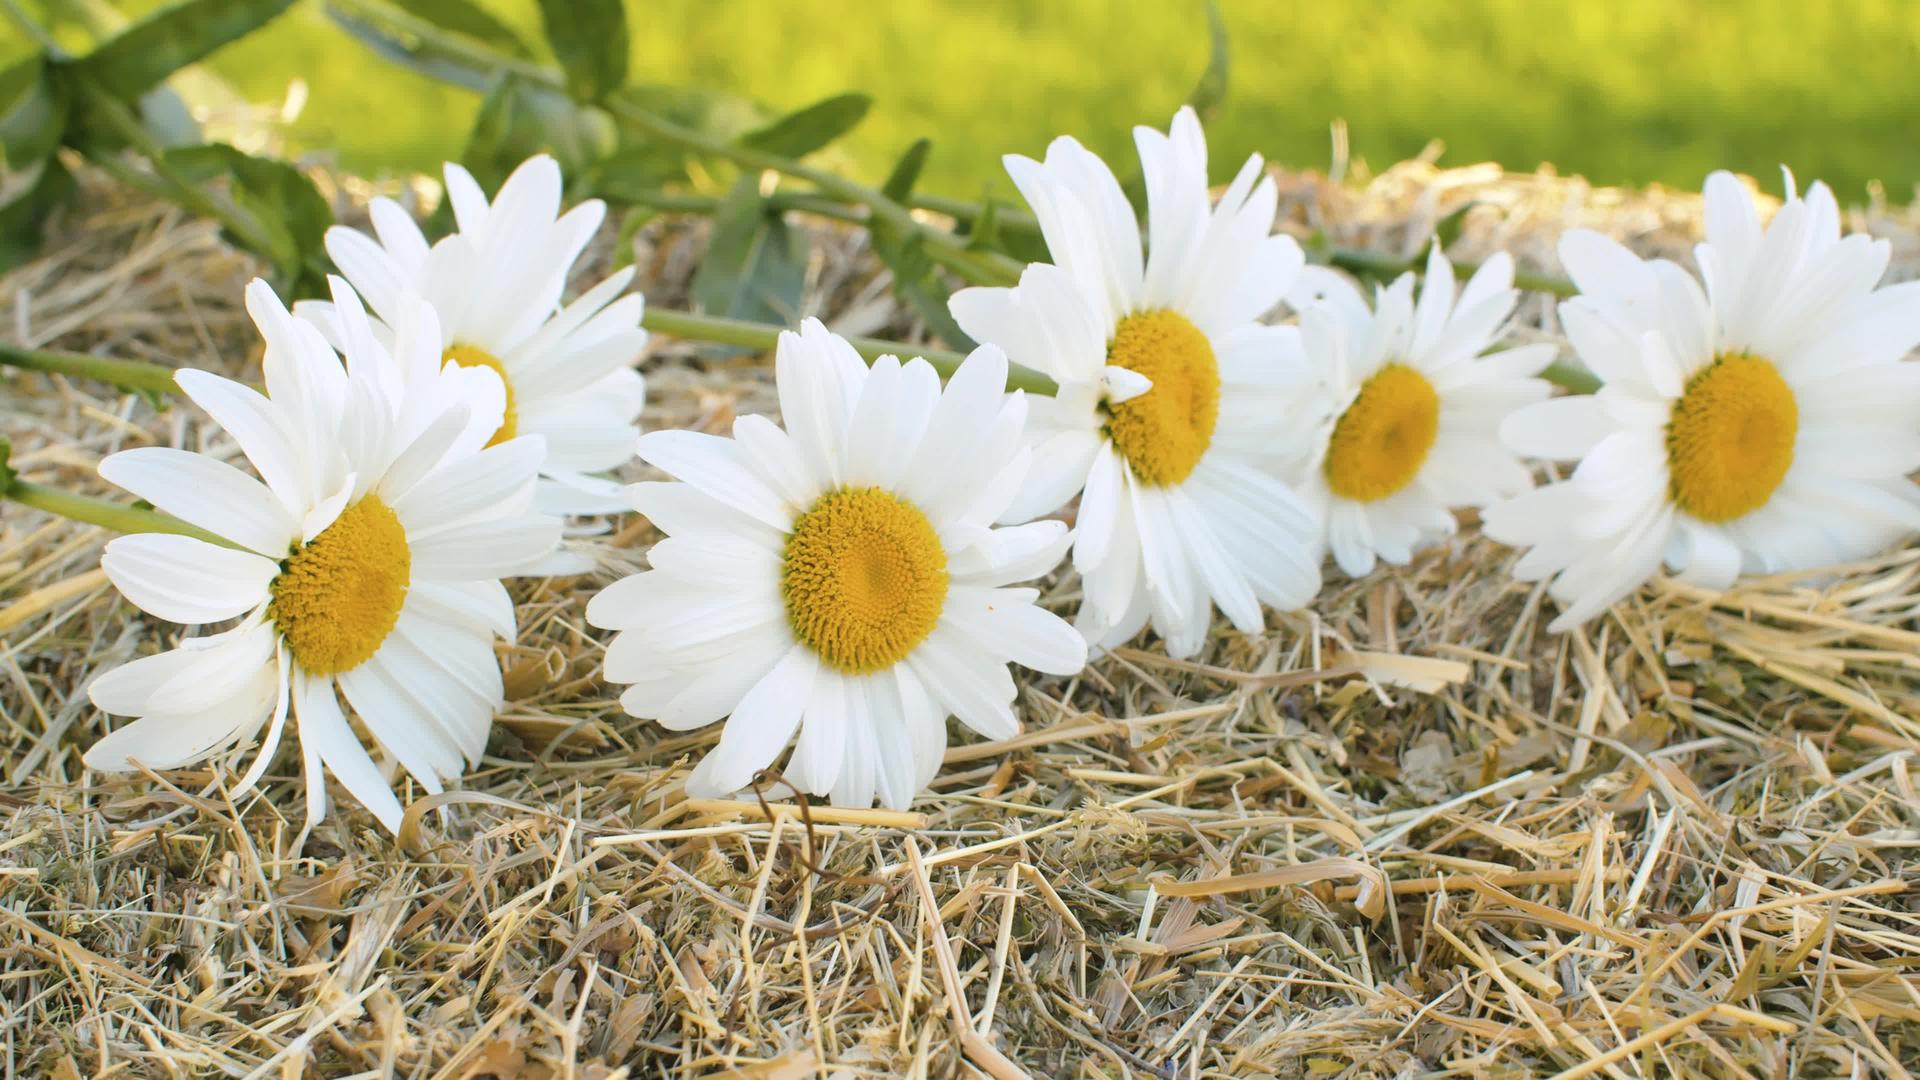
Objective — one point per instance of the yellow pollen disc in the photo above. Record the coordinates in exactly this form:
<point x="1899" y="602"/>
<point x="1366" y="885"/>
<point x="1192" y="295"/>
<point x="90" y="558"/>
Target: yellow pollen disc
<point x="864" y="579"/>
<point x="1164" y="432"/>
<point x="338" y="597"/>
<point x="1730" y="438"/>
<point x="472" y="356"/>
<point x="1383" y="438"/>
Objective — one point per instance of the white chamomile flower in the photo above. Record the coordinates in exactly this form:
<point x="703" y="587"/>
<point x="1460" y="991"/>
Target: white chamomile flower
<point x="496" y="285"/>
<point x="1168" y="388"/>
<point x="1409" y="411"/>
<point x="841" y="578"/>
<point x="1764" y="425"/>
<point x="368" y="561"/>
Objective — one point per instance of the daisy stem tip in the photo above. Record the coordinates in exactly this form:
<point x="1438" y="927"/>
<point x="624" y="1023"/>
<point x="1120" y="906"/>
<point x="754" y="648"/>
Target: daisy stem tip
<point x="111" y="515"/>
<point x="133" y="375"/>
<point x="762" y="336"/>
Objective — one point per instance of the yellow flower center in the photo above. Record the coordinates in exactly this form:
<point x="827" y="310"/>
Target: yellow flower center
<point x="1164" y="432"/>
<point x="1730" y="438"/>
<point x="864" y="579"/>
<point x="338" y="597"/>
<point x="1383" y="438"/>
<point x="471" y="356"/>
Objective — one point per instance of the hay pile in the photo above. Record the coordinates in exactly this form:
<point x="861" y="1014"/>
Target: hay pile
<point x="1409" y="833"/>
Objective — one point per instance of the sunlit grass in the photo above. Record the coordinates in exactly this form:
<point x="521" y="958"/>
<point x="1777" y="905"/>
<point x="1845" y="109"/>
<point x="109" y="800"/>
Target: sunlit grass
<point x="1632" y="91"/>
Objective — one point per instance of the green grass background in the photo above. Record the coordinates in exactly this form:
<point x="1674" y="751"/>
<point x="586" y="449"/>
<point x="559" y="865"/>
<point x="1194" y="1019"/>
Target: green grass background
<point x="1622" y="91"/>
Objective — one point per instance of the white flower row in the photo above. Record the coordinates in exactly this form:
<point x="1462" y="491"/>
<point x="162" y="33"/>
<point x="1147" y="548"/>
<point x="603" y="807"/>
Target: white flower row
<point x="846" y="583"/>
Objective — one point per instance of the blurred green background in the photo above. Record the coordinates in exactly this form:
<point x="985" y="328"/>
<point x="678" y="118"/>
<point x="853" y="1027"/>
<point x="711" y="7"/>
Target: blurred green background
<point x="1626" y="91"/>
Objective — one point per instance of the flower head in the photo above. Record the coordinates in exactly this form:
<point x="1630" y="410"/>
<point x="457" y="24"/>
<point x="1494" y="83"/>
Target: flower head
<point x="841" y="578"/>
<point x="1168" y="387"/>
<point x="1763" y="425"/>
<point x="365" y="560"/>
<point x="495" y="285"/>
<point x="1406" y="424"/>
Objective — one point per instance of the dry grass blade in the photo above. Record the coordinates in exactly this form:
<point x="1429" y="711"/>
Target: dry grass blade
<point x="1681" y="844"/>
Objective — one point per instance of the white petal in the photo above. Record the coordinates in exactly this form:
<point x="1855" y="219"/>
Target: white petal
<point x="760" y="726"/>
<point x="324" y="732"/>
<point x="184" y="580"/>
<point x="715" y="467"/>
<point x="484" y="549"/>
<point x="968" y="681"/>
<point x="201" y="491"/>
<point x="1007" y="623"/>
<point x="1562" y="428"/>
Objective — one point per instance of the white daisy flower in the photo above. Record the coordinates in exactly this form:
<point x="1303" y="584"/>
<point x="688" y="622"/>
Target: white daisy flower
<point x="496" y="285"/>
<point x="841" y="578"/>
<point x="1168" y="388"/>
<point x="1763" y="425"/>
<point x="1409" y="411"/>
<point x="368" y="561"/>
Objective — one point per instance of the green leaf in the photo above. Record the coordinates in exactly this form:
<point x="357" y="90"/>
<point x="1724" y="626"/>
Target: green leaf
<point x="633" y="174"/>
<point x="6" y="468"/>
<point x="642" y="164"/>
<point x="630" y="225"/>
<point x="289" y="209"/>
<point x="33" y="117"/>
<point x="519" y="119"/>
<point x="756" y="266"/>
<point x="1447" y="230"/>
<point x="417" y="44"/>
<point x="590" y="39"/>
<point x="1211" y="90"/>
<point x="906" y="171"/>
<point x="140" y="57"/>
<point x="983" y="232"/>
<point x="798" y="134"/>
<point x="915" y="282"/>
<point x="471" y="20"/>
<point x="905" y="254"/>
<point x="23" y="215"/>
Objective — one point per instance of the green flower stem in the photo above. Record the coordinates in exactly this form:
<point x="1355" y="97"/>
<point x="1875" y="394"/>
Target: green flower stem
<point x="134" y="375"/>
<point x="752" y="335"/>
<point x="1571" y="379"/>
<point x="166" y="182"/>
<point x="939" y="244"/>
<point x="980" y="267"/>
<point x="111" y="515"/>
<point x="158" y="379"/>
<point x="1381" y="264"/>
<point x="32" y="28"/>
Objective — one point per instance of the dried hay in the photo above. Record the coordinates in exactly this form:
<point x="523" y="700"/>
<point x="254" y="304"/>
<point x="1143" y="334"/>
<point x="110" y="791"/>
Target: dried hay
<point x="1407" y="834"/>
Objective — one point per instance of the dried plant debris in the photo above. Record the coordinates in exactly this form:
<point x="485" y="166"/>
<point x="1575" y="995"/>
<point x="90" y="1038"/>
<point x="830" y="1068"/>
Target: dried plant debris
<point x="1407" y="834"/>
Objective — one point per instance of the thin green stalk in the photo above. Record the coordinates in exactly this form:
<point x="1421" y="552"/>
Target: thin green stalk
<point x="955" y="257"/>
<point x="1571" y="379"/>
<point x="157" y="378"/>
<point x="981" y="267"/>
<point x="111" y="515"/>
<point x="167" y="182"/>
<point x="1359" y="260"/>
<point x="1381" y="264"/>
<point x="32" y="28"/>
<point x="752" y="335"/>
<point x="134" y="375"/>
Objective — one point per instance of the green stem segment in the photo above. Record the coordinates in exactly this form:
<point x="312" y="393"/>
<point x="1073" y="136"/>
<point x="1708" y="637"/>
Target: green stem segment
<point x="111" y="515"/>
<point x="752" y="335"/>
<point x="980" y="267"/>
<point x="1381" y="264"/>
<point x="141" y="375"/>
<point x="134" y="375"/>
